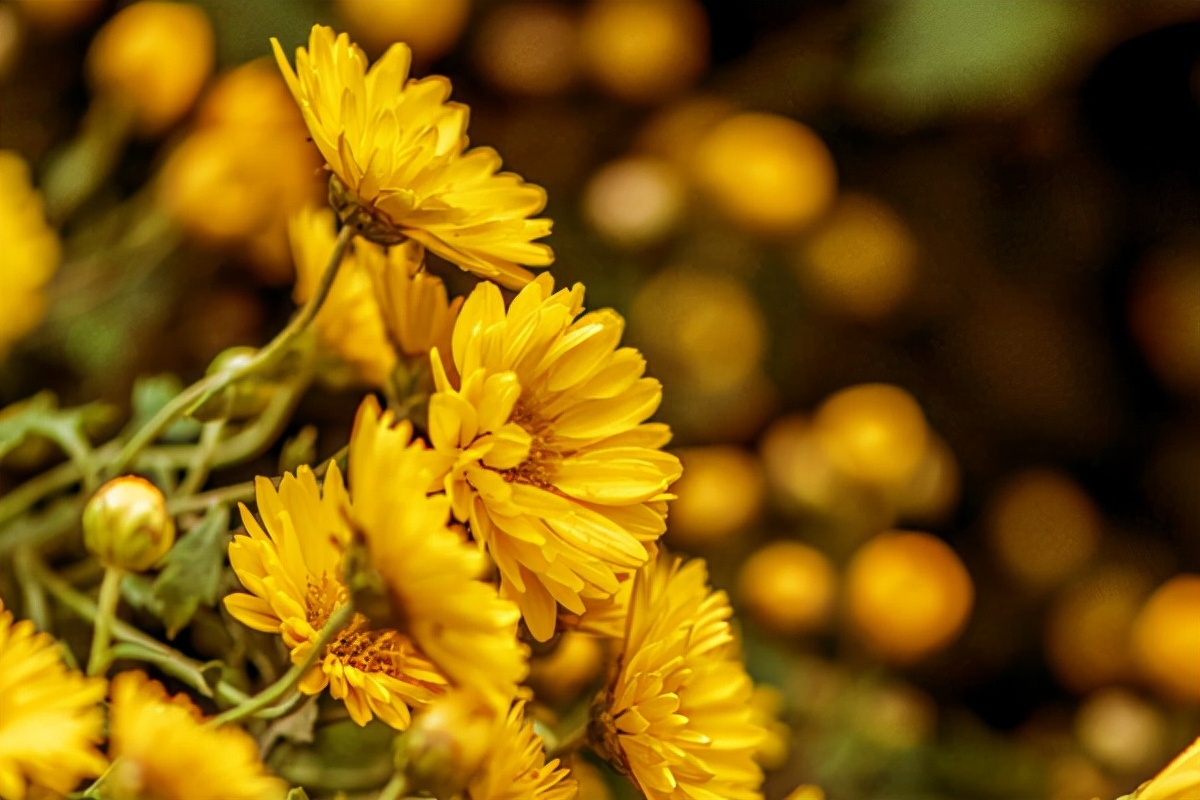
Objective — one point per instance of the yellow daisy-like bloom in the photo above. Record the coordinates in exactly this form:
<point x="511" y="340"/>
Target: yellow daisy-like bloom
<point x="29" y="256"/>
<point x="293" y="571"/>
<point x="677" y="717"/>
<point x="431" y="571"/>
<point x="397" y="150"/>
<point x="1179" y="780"/>
<point x="554" y="467"/>
<point x="516" y="769"/>
<point x="349" y="323"/>
<point x="50" y="717"/>
<point x="162" y="749"/>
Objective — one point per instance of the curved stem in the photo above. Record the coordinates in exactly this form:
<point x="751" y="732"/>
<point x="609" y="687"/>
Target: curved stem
<point x="110" y="595"/>
<point x="338" y="620"/>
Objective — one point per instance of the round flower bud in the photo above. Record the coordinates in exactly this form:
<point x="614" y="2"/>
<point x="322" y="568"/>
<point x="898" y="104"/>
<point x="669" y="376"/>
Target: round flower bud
<point x="154" y="57"/>
<point x="126" y="524"/>
<point x="447" y="743"/>
<point x="241" y="399"/>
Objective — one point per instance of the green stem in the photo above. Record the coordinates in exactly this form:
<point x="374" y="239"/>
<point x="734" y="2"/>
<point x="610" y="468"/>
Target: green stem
<point x="338" y="620"/>
<point x="110" y="595"/>
<point x="200" y="391"/>
<point x="197" y="470"/>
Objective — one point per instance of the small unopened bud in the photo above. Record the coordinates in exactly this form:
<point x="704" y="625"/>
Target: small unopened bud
<point x="243" y="398"/>
<point x="126" y="524"/>
<point x="447" y="743"/>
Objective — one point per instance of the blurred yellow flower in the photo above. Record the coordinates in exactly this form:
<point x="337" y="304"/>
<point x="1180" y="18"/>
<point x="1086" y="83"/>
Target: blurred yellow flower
<point x="554" y="466"/>
<point x="161" y="748"/>
<point x="677" y="717"/>
<point x="431" y="572"/>
<point x="50" y="716"/>
<point x="1179" y="780"/>
<point x="349" y="324"/>
<point x="516" y="769"/>
<point x="30" y="253"/>
<point x="397" y="150"/>
<point x="294" y="573"/>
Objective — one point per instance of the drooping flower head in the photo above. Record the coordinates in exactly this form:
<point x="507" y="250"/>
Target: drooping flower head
<point x="677" y="715"/>
<point x="161" y="748"/>
<point x="554" y="465"/>
<point x="431" y="572"/>
<point x="30" y="253"/>
<point x="516" y="769"/>
<point x="292" y="567"/>
<point x="50" y="716"/>
<point x="397" y="150"/>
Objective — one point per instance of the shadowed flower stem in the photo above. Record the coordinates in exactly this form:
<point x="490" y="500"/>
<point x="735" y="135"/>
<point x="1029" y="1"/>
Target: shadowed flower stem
<point x="290" y="679"/>
<point x="110" y="596"/>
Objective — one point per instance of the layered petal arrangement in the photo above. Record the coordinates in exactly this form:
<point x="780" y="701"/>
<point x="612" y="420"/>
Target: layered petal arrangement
<point x="516" y="769"/>
<point x="398" y="152"/>
<point x="162" y="748"/>
<point x="554" y="465"/>
<point x="50" y="716"/>
<point x="677" y="716"/>
<point x="292" y="567"/>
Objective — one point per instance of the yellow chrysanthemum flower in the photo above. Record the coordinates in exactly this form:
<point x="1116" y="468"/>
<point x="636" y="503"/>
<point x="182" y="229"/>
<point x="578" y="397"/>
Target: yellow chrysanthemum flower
<point x="349" y="324"/>
<point x="431" y="571"/>
<point x="29" y="256"/>
<point x="1179" y="780"/>
<point x="293" y="571"/>
<point x="555" y="467"/>
<point x="397" y="150"/>
<point x="161" y="748"/>
<point x="516" y="769"/>
<point x="50" y="717"/>
<point x="677" y="716"/>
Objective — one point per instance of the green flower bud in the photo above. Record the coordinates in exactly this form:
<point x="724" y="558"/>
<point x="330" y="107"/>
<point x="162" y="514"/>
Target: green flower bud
<point x="240" y="400"/>
<point x="126" y="524"/>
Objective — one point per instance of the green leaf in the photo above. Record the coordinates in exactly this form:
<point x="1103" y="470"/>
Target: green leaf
<point x="150" y="394"/>
<point x="296" y="727"/>
<point x="39" y="417"/>
<point x="191" y="573"/>
<point x="298" y="450"/>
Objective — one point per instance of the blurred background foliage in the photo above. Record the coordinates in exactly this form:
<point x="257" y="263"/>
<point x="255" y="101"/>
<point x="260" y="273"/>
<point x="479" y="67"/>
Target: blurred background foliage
<point x="929" y="265"/>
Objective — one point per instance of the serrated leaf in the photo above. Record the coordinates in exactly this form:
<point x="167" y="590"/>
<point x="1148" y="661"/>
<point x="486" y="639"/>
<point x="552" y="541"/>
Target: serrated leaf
<point x="191" y="573"/>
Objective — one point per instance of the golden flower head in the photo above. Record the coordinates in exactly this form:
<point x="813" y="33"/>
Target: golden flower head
<point x="50" y="716"/>
<point x="1179" y="780"/>
<point x="126" y="524"/>
<point x="397" y="150"/>
<point x="516" y="769"/>
<point x="555" y="467"/>
<point x="30" y="253"/>
<point x="292" y="566"/>
<point x="431" y="572"/>
<point x="161" y="748"/>
<point x="349" y="324"/>
<point x="677" y="716"/>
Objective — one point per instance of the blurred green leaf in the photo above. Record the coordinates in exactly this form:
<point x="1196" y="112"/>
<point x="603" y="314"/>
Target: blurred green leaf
<point x="150" y="394"/>
<point x="191" y="573"/>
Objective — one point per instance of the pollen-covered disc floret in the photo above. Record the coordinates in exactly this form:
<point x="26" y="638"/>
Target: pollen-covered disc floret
<point x="398" y="152"/>
<point x="431" y="572"/>
<point x="677" y="716"/>
<point x="50" y="716"/>
<point x="516" y="768"/>
<point x="554" y="465"/>
<point x="161" y="748"/>
<point x="292" y="567"/>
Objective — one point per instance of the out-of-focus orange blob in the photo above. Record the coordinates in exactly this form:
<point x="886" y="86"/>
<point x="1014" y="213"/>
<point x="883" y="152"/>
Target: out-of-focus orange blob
<point x="212" y="190"/>
<point x="529" y="48"/>
<point x="788" y="587"/>
<point x="59" y="16"/>
<point x="1042" y="527"/>
<point x="796" y="464"/>
<point x="644" y="51"/>
<point x="1087" y="633"/>
<point x="429" y="28"/>
<point x="931" y="494"/>
<point x="894" y="714"/>
<point x="153" y="58"/>
<point x="674" y="132"/>
<point x="1121" y="730"/>
<point x="705" y="328"/>
<point x="1166" y="639"/>
<point x="252" y="96"/>
<point x="874" y="432"/>
<point x="1165" y="316"/>
<point x="769" y="174"/>
<point x="720" y="493"/>
<point x="907" y="594"/>
<point x="576" y="661"/>
<point x="635" y="201"/>
<point x="860" y="261"/>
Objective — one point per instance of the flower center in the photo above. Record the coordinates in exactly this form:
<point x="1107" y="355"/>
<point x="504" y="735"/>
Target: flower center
<point x="541" y="465"/>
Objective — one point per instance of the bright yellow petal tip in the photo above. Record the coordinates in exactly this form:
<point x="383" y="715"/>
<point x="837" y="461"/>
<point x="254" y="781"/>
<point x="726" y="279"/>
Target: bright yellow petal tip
<point x="516" y="769"/>
<point x="30" y="253"/>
